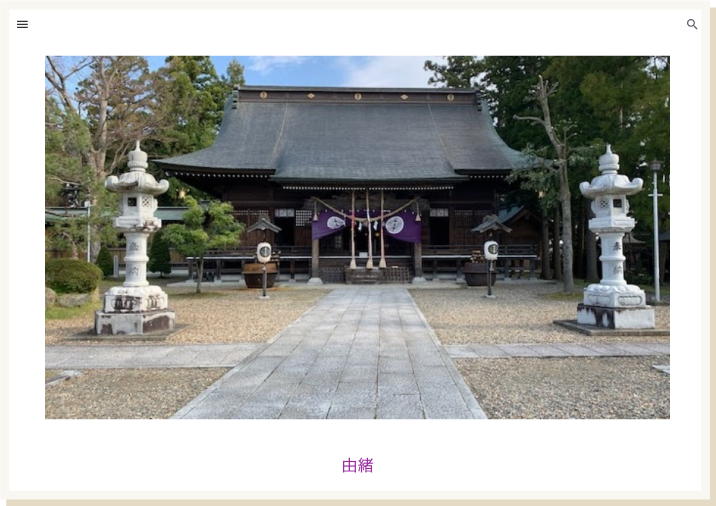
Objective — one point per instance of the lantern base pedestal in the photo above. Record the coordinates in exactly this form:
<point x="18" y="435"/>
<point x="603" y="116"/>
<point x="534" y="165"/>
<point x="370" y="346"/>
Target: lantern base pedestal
<point x="132" y="299"/>
<point x="616" y="318"/>
<point x="614" y="296"/>
<point x="143" y="322"/>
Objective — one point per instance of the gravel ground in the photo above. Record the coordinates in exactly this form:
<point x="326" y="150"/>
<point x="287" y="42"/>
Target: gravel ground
<point x="215" y="316"/>
<point x="624" y="387"/>
<point x="127" y="393"/>
<point x="549" y="388"/>
<point x="520" y="313"/>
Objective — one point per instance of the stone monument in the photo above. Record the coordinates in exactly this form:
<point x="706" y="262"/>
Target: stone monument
<point x="135" y="307"/>
<point x="613" y="303"/>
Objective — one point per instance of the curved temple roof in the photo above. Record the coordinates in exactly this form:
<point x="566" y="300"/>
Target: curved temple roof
<point x="353" y="135"/>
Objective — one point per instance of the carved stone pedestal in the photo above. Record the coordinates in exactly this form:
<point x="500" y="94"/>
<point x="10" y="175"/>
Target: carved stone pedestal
<point x="135" y="323"/>
<point x="616" y="318"/>
<point x="126" y="299"/>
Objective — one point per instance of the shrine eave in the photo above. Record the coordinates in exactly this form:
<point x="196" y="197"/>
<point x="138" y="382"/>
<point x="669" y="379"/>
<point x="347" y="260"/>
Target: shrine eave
<point x="368" y="186"/>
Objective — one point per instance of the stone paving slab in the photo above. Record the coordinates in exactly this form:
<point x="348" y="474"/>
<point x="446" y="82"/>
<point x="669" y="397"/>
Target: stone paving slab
<point x="557" y="350"/>
<point x="658" y="348"/>
<point x="351" y="413"/>
<point x="146" y="356"/>
<point x="547" y="350"/>
<point x="358" y="354"/>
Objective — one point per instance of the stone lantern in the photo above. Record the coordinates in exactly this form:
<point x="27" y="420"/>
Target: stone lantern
<point x="613" y="303"/>
<point x="135" y="307"/>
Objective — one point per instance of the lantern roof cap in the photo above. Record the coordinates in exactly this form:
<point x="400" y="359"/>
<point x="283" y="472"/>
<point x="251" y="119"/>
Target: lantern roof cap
<point x="609" y="162"/>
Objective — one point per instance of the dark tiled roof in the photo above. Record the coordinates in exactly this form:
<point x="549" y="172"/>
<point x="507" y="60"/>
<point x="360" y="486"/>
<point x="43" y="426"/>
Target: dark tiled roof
<point x="337" y="138"/>
<point x="264" y="223"/>
<point x="505" y="214"/>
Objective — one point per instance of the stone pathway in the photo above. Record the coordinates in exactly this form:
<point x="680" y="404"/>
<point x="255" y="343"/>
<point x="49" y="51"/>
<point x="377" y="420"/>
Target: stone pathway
<point x="556" y="350"/>
<point x="365" y="353"/>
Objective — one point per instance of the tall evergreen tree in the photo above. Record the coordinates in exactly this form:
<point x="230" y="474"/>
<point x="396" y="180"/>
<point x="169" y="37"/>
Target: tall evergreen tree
<point x="456" y="72"/>
<point x="620" y="100"/>
<point x="191" y="99"/>
<point x="66" y="139"/>
<point x="507" y="81"/>
<point x="234" y="74"/>
<point x="160" y="258"/>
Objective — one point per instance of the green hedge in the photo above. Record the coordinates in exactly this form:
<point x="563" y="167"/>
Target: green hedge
<point x="160" y="259"/>
<point x="105" y="261"/>
<point x="65" y="275"/>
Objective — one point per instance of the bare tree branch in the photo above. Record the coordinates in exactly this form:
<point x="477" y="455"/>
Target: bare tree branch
<point x="63" y="181"/>
<point x="534" y="119"/>
<point x="58" y="79"/>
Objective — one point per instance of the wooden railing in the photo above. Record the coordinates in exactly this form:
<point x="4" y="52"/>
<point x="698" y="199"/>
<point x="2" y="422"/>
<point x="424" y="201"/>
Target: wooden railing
<point x="508" y="250"/>
<point x="513" y="259"/>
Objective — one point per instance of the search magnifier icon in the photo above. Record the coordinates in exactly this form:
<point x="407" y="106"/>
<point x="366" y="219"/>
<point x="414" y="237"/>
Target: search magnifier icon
<point x="691" y="24"/>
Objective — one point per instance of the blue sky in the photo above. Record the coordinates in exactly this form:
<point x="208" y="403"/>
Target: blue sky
<point x="357" y="71"/>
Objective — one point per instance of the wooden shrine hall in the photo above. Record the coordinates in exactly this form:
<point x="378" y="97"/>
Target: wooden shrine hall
<point x="383" y="183"/>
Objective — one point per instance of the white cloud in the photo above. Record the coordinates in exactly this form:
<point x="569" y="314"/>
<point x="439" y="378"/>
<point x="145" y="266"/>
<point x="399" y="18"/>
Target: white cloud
<point x="388" y="71"/>
<point x="265" y="64"/>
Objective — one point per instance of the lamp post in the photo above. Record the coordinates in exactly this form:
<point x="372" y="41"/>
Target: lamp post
<point x="656" y="168"/>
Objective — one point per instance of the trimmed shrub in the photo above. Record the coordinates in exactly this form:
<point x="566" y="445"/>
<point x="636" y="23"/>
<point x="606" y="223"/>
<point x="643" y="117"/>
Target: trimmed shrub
<point x="105" y="262"/>
<point x="160" y="258"/>
<point x="65" y="275"/>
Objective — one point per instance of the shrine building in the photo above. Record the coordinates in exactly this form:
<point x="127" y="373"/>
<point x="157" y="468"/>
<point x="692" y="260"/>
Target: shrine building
<point x="380" y="182"/>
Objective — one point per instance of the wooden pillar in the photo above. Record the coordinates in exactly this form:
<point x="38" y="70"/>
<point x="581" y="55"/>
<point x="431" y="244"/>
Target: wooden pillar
<point x="556" y="247"/>
<point x="369" y="263"/>
<point x="353" y="231"/>
<point x="532" y="268"/>
<point x="546" y="270"/>
<point x="315" y="249"/>
<point x="418" y="259"/>
<point x="382" y="264"/>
